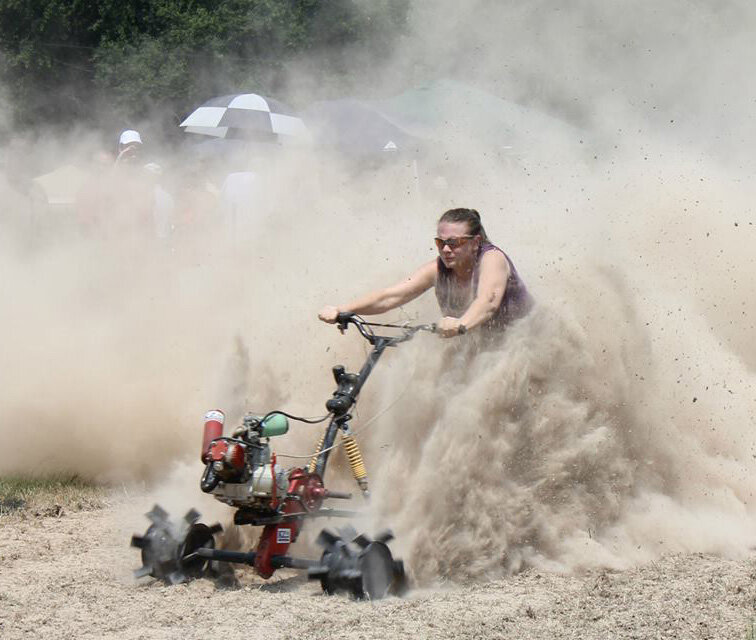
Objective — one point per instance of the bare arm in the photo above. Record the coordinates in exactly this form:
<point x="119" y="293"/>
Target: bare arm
<point x="492" y="283"/>
<point x="389" y="298"/>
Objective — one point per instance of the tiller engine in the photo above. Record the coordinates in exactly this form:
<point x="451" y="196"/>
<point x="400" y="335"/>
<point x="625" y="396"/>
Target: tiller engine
<point x="241" y="471"/>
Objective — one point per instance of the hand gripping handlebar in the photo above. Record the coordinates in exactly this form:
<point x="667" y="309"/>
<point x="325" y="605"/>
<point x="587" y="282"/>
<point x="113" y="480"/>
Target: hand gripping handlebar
<point x="344" y="319"/>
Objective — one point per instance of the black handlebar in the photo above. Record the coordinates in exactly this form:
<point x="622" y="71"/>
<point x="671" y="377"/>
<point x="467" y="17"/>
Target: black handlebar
<point x="344" y="319"/>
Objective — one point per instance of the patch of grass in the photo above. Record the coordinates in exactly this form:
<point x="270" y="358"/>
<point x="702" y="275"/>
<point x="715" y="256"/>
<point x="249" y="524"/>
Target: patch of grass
<point x="48" y="495"/>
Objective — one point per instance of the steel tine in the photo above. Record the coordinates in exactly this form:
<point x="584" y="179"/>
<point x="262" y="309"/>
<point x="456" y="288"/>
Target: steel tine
<point x="385" y="536"/>
<point x="138" y="541"/>
<point x="362" y="541"/>
<point x="142" y="572"/>
<point x="191" y="516"/>
<point x="177" y="577"/>
<point x="157" y="515"/>
<point x="317" y="572"/>
<point x="327" y="538"/>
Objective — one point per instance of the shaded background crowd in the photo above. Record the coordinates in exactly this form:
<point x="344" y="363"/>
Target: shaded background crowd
<point x="220" y="172"/>
<point x="74" y="76"/>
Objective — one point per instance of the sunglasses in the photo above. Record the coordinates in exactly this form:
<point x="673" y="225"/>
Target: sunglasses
<point x="452" y="242"/>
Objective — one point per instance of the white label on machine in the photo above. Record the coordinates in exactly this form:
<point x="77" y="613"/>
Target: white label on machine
<point x="283" y="536"/>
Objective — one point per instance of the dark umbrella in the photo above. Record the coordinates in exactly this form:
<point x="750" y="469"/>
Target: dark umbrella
<point x="452" y="111"/>
<point x="355" y="128"/>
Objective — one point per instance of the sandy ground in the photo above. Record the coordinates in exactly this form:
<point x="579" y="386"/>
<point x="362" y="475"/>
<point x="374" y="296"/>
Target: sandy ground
<point x="69" y="576"/>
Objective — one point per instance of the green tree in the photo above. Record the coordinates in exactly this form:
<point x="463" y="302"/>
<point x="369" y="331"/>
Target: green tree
<point x="62" y="59"/>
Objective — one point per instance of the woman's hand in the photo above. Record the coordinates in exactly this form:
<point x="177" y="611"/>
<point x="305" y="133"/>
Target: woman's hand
<point x="448" y="327"/>
<point x="328" y="314"/>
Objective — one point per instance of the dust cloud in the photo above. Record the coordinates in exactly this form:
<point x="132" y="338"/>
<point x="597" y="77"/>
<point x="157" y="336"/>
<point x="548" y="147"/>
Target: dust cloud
<point x="614" y="424"/>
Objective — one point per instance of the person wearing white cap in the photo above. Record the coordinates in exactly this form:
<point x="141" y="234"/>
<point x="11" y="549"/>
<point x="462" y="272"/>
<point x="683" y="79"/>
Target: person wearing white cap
<point x="129" y="146"/>
<point x="129" y="136"/>
<point x="148" y="205"/>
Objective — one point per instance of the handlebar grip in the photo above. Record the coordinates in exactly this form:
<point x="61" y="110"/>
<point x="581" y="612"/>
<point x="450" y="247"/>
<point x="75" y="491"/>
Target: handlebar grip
<point x="344" y="316"/>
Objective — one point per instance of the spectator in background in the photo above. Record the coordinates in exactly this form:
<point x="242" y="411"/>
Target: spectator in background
<point x="129" y="148"/>
<point x="163" y="204"/>
<point x="241" y="202"/>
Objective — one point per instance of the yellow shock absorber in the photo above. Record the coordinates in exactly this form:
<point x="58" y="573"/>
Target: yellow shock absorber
<point x="356" y="462"/>
<point x="314" y="459"/>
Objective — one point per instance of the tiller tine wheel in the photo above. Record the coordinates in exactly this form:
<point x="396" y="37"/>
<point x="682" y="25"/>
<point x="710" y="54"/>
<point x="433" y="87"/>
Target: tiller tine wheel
<point x="359" y="565"/>
<point x="167" y="548"/>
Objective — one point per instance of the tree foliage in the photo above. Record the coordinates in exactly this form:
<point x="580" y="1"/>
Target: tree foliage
<point x="62" y="60"/>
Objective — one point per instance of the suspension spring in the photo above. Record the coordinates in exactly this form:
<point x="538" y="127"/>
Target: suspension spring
<point x="356" y="462"/>
<point x="314" y="459"/>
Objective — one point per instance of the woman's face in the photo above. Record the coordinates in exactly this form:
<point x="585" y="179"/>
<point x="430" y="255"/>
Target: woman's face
<point x="456" y="247"/>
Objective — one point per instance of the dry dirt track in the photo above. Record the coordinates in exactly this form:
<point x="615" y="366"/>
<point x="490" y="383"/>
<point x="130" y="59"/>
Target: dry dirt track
<point x="70" y="577"/>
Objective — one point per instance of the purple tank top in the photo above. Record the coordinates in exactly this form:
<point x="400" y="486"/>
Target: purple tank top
<point x="515" y="304"/>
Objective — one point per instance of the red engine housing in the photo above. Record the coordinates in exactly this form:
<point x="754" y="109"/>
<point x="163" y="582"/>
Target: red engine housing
<point x="305" y="493"/>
